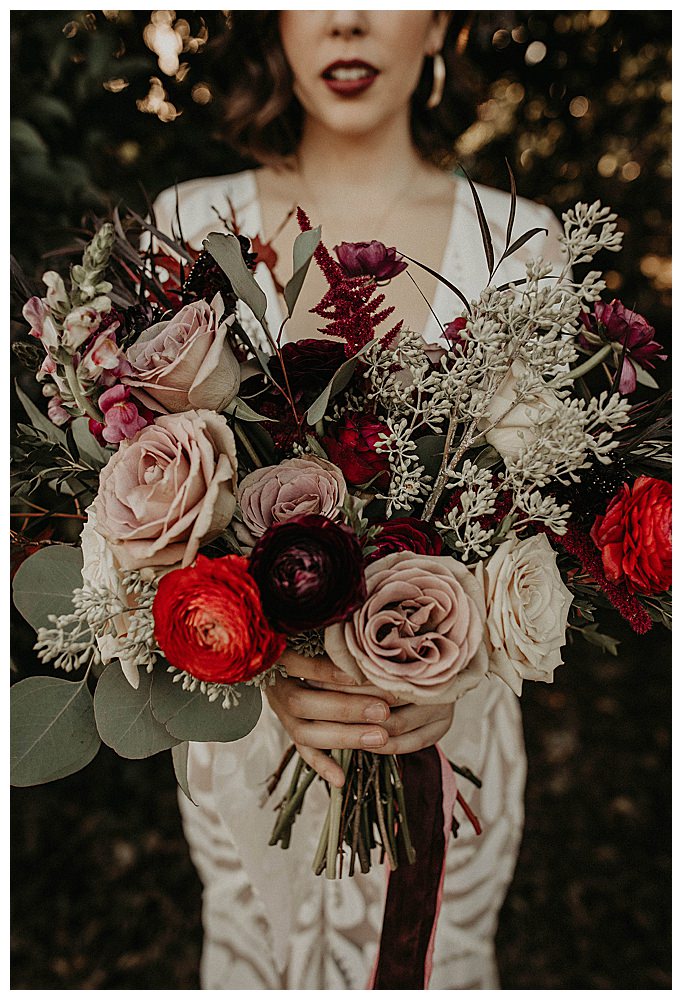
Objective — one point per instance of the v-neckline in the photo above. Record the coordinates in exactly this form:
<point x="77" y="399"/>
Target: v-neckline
<point x="432" y="328"/>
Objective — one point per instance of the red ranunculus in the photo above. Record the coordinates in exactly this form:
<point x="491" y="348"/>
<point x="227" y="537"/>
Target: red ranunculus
<point x="353" y="448"/>
<point x="635" y="536"/>
<point x="309" y="571"/>
<point x="310" y="365"/>
<point x="209" y="621"/>
<point x="406" y="534"/>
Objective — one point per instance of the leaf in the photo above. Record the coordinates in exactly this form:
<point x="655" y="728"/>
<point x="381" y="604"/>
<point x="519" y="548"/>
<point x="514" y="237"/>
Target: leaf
<point x="643" y="376"/>
<point x="517" y="244"/>
<point x="179" y="754"/>
<point x="336" y="384"/>
<point x="45" y="582"/>
<point x="242" y="411"/>
<point x="484" y="227"/>
<point x="448" y="284"/>
<point x="512" y="205"/>
<point x="304" y="248"/>
<point x="52" y="729"/>
<point x="430" y="451"/>
<point x="189" y="715"/>
<point x="124" y="716"/>
<point x="39" y="420"/>
<point x="226" y="250"/>
<point x="89" y="448"/>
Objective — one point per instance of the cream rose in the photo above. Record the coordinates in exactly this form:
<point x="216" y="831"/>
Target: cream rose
<point x="275" y="493"/>
<point x="527" y="606"/>
<point x="511" y="427"/>
<point x="185" y="363"/>
<point x="168" y="490"/>
<point x="100" y="569"/>
<point x="420" y="632"/>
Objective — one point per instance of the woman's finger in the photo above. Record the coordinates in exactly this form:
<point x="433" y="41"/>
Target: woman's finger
<point x="321" y="762"/>
<point x="425" y="736"/>
<point x="336" y="736"/>
<point x="303" y="702"/>
<point x="410" y="717"/>
<point x="314" y="668"/>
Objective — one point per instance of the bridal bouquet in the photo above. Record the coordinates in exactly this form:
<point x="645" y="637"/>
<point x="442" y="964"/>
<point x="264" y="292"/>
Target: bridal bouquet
<point x="426" y="515"/>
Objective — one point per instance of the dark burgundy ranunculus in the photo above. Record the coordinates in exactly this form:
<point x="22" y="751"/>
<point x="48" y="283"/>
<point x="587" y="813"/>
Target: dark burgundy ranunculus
<point x="406" y="534"/>
<point x="310" y="364"/>
<point x="310" y="573"/>
<point x="352" y="446"/>
<point x="612" y="321"/>
<point x="373" y="259"/>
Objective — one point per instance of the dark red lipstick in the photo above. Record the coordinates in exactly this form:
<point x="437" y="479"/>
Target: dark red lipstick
<point x="349" y="77"/>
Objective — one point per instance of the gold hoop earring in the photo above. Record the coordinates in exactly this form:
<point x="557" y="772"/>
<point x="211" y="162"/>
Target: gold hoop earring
<point x="436" y="95"/>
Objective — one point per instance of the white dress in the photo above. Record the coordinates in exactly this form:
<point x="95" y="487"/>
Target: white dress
<point x="269" y="922"/>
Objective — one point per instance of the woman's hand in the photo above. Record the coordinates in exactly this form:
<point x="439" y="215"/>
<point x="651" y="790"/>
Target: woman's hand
<point x="321" y="708"/>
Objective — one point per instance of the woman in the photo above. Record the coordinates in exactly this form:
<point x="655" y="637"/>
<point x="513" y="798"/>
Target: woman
<point x="348" y="110"/>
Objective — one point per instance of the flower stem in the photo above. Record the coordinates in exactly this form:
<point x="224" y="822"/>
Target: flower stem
<point x="335" y="802"/>
<point x="585" y="367"/>
<point x="402" y="811"/>
<point x="77" y="392"/>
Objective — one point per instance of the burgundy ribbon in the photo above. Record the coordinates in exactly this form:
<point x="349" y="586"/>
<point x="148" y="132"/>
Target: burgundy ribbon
<point x="414" y="890"/>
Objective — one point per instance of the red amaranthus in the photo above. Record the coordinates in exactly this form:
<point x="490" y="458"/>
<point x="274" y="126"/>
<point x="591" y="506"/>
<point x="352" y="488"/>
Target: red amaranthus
<point x="350" y="305"/>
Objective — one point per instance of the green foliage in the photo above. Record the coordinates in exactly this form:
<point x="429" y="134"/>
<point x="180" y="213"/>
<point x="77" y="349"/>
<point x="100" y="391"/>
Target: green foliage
<point x="52" y="729"/>
<point x="124" y="716"/>
<point x="304" y="248"/>
<point x="44" y="583"/>
<point x="189" y="715"/>
<point x="180" y="754"/>
<point x="336" y="384"/>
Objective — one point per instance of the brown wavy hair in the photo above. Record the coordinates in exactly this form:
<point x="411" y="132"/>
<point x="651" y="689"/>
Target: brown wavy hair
<point x="263" y="119"/>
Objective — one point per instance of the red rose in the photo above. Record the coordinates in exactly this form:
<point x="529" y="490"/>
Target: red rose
<point x="208" y="620"/>
<point x="635" y="536"/>
<point x="406" y="534"/>
<point x="353" y="448"/>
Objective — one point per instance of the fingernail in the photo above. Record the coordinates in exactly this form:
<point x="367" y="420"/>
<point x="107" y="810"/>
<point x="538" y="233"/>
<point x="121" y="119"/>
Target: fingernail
<point x="372" y="739"/>
<point x="377" y="712"/>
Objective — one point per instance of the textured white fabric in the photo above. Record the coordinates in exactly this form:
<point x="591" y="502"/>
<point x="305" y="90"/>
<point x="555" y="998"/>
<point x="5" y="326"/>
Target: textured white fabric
<point x="269" y="922"/>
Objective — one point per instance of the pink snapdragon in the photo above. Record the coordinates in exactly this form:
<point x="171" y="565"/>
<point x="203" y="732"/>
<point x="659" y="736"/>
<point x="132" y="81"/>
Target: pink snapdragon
<point x="122" y="417"/>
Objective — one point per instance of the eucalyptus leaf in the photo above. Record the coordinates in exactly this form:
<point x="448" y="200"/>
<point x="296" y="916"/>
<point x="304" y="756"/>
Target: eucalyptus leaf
<point x="45" y="582"/>
<point x="52" y="729"/>
<point x="180" y="754"/>
<point x="242" y="411"/>
<point x="336" y="384"/>
<point x="124" y="716"/>
<point x="189" y="715"/>
<point x="39" y="420"/>
<point x="89" y="448"/>
<point x="304" y="249"/>
<point x="226" y="250"/>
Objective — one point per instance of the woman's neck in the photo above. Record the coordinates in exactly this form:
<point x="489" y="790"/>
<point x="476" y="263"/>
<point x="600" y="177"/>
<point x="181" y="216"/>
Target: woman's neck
<point x="349" y="165"/>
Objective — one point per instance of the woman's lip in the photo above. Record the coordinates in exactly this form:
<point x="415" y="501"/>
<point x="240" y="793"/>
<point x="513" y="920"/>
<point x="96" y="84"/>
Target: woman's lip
<point x="357" y="83"/>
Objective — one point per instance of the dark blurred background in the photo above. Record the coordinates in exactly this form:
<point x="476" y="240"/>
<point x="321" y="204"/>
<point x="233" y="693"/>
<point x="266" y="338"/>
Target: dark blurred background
<point x="104" y="894"/>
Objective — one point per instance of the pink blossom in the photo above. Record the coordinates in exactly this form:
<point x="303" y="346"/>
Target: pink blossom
<point x="122" y="418"/>
<point x="37" y="315"/>
<point x="104" y="361"/>
<point x="56" y="412"/>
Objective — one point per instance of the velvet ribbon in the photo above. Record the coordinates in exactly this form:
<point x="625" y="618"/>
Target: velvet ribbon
<point x="414" y="891"/>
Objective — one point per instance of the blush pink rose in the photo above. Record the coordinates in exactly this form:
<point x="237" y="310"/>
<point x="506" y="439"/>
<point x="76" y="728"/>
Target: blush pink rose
<point x="420" y="632"/>
<point x="168" y="490"/>
<point x="277" y="493"/>
<point x="186" y="362"/>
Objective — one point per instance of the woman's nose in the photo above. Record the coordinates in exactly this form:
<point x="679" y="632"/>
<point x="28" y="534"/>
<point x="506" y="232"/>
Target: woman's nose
<point x="347" y="23"/>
